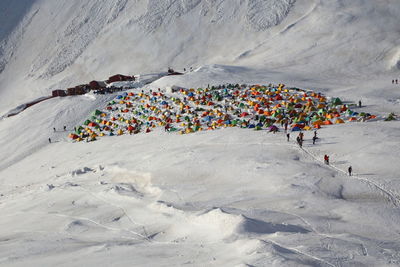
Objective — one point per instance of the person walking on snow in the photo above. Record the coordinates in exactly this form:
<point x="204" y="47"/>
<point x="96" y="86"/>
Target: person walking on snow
<point x="49" y="141"/>
<point x="359" y="103"/>
<point x="54" y="129"/>
<point x="314" y="139"/>
<point x="65" y="128"/>
<point x="301" y="136"/>
<point x="326" y="159"/>
<point x="299" y="141"/>
<point x="350" y="169"/>
<point x="288" y="136"/>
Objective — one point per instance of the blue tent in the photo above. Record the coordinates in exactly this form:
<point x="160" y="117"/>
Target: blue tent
<point x="296" y="129"/>
<point x="251" y="126"/>
<point x="207" y="118"/>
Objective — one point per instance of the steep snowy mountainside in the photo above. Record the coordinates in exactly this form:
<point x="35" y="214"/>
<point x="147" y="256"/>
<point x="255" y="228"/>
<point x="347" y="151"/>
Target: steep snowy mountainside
<point x="48" y="44"/>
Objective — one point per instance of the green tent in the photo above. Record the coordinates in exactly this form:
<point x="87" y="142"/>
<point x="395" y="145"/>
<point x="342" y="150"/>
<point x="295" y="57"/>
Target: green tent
<point x="79" y="129"/>
<point x="87" y="122"/>
<point x="337" y="101"/>
<point x="96" y="112"/>
<point x="391" y="117"/>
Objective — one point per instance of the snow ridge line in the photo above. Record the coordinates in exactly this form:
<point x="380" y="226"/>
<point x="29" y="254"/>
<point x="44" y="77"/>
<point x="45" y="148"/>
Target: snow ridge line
<point x="393" y="198"/>
<point x="124" y="211"/>
<point x="296" y="251"/>
<point x="314" y="230"/>
<point x="82" y="219"/>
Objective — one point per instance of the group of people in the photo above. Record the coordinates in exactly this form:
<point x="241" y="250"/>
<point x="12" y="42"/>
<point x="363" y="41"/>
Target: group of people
<point x="55" y="130"/>
<point x="300" y="139"/>
<point x="326" y="161"/>
<point x="395" y="81"/>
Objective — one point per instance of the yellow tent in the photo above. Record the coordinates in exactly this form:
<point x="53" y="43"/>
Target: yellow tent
<point x="339" y="120"/>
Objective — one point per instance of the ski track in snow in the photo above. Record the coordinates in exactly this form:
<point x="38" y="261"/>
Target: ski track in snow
<point x="391" y="196"/>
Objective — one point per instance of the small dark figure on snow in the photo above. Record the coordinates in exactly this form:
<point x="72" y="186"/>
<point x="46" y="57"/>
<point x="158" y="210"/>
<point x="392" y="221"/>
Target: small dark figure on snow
<point x="49" y="141"/>
<point x="392" y="81"/>
<point x="397" y="81"/>
<point x="301" y="136"/>
<point x="314" y="139"/>
<point x="65" y="128"/>
<point x="54" y="129"/>
<point x="299" y="141"/>
<point x="326" y="159"/>
<point x="288" y="136"/>
<point x="359" y="104"/>
<point x="315" y="134"/>
<point x="350" y="169"/>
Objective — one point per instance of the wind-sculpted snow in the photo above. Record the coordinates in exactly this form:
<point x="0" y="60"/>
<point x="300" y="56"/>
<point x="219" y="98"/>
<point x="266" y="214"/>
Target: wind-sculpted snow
<point x="10" y="40"/>
<point x="89" y="19"/>
<point x="260" y="14"/>
<point x="164" y="12"/>
<point x="263" y="14"/>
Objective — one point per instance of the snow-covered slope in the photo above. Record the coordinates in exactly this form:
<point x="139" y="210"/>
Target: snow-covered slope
<point x="232" y="197"/>
<point x="48" y="44"/>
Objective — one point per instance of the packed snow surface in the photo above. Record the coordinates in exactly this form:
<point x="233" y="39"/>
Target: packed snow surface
<point x="221" y="198"/>
<point x="230" y="197"/>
